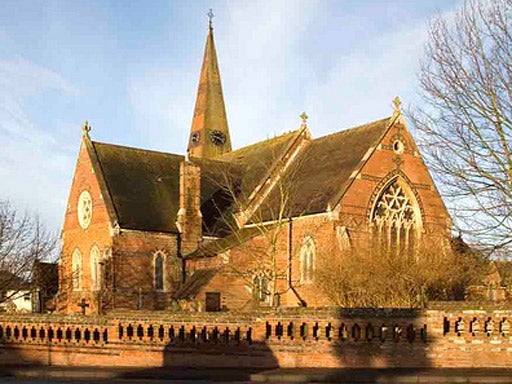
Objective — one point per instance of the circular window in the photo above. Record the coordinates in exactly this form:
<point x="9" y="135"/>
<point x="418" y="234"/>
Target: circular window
<point x="195" y="137"/>
<point x="398" y="147"/>
<point x="84" y="210"/>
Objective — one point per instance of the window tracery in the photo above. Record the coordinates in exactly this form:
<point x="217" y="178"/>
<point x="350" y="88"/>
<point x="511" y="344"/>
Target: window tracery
<point x="395" y="219"/>
<point x="84" y="210"/>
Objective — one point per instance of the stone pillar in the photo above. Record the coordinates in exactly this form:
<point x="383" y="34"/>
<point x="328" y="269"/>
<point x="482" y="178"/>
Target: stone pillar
<point x="189" y="220"/>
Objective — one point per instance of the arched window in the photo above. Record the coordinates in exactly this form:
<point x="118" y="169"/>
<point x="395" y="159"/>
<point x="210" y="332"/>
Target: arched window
<point x="261" y="289"/>
<point x="395" y="219"/>
<point x="95" y="268"/>
<point x="307" y="260"/>
<point x="76" y="269"/>
<point x="159" y="261"/>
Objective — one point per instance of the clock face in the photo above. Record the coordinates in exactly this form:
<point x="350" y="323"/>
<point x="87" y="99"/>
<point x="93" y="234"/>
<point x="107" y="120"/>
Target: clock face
<point x="195" y="137"/>
<point x="217" y="138"/>
<point x="84" y="209"/>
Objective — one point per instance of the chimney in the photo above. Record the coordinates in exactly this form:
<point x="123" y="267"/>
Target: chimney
<point x="189" y="220"/>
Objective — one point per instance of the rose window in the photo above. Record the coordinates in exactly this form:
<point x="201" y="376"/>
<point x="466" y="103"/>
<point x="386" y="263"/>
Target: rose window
<point x="84" y="209"/>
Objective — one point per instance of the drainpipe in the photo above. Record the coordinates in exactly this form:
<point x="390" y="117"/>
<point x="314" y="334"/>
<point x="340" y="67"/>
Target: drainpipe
<point x="302" y="302"/>
<point x="180" y="256"/>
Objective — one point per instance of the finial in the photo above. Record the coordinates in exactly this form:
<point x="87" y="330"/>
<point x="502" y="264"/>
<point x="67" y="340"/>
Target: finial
<point x="397" y="102"/>
<point x="210" y="15"/>
<point x="86" y="128"/>
<point x="304" y="118"/>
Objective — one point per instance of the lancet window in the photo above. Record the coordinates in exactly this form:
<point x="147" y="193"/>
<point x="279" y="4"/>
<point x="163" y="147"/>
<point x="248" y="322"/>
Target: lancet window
<point x="95" y="269"/>
<point x="307" y="261"/>
<point x="159" y="261"/>
<point x="76" y="269"/>
<point x="261" y="289"/>
<point x="395" y="220"/>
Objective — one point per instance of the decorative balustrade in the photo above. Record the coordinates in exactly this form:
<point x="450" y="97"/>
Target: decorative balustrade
<point x="294" y="331"/>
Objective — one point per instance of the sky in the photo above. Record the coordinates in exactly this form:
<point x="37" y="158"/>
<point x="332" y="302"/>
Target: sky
<point x="131" y="69"/>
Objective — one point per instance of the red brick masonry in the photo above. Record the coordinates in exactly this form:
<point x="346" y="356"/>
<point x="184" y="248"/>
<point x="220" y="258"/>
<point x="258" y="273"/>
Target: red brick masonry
<point x="288" y="338"/>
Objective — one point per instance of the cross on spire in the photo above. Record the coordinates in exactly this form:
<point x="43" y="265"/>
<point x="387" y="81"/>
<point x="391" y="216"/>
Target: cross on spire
<point x="210" y="15"/>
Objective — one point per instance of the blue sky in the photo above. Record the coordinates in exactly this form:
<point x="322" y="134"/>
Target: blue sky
<point x="131" y="69"/>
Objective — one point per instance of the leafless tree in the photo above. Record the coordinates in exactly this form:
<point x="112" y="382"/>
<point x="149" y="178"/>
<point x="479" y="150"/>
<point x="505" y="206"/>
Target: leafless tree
<point x="23" y="240"/>
<point x="264" y="269"/>
<point x="465" y="116"/>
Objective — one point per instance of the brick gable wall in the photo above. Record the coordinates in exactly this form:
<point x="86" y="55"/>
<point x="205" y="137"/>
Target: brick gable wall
<point x="74" y="237"/>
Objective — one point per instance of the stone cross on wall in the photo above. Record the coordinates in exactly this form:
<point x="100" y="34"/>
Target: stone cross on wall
<point x="83" y="304"/>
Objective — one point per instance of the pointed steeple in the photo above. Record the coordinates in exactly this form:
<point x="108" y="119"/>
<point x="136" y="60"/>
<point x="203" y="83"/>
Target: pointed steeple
<point x="209" y="135"/>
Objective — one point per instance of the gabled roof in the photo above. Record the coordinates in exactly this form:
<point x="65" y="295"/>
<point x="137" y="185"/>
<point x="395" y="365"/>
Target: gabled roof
<point x="255" y="161"/>
<point x="321" y="173"/>
<point x="143" y="185"/>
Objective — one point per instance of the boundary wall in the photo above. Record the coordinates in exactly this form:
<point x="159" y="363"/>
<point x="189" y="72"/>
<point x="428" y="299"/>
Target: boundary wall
<point x="348" y="338"/>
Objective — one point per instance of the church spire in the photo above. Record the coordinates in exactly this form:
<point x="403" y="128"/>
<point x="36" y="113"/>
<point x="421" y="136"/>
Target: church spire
<point x="209" y="136"/>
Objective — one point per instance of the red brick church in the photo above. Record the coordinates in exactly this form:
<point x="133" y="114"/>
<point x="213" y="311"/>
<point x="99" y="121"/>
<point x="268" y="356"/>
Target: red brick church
<point x="232" y="229"/>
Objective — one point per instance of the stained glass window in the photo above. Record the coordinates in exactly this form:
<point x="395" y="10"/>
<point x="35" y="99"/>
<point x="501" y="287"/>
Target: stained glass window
<point x="394" y="219"/>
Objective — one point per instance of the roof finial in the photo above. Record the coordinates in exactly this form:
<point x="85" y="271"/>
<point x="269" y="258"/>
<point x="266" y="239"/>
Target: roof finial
<point x="86" y="128"/>
<point x="397" y="102"/>
<point x="304" y="119"/>
<point x="210" y="15"/>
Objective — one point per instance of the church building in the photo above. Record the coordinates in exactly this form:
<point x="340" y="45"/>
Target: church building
<point x="225" y="229"/>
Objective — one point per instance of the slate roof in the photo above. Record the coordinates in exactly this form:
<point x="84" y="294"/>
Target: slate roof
<point x="255" y="161"/>
<point x="143" y="185"/>
<point x="321" y="173"/>
<point x="10" y="281"/>
<point x="194" y="283"/>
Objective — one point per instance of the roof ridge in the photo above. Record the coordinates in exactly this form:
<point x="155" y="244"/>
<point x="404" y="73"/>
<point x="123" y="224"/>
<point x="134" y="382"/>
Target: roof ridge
<point x="352" y="129"/>
<point x="258" y="143"/>
<point x="137" y="149"/>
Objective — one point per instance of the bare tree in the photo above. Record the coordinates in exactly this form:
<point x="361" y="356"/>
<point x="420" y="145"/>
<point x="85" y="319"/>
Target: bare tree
<point x="257" y="222"/>
<point x="465" y="116"/>
<point x="23" y="240"/>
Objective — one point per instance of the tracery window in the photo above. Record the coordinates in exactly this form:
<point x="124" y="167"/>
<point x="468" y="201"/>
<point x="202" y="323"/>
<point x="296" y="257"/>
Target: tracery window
<point x="76" y="269"/>
<point x="395" y="220"/>
<point x="159" y="259"/>
<point x="307" y="261"/>
<point x="95" y="268"/>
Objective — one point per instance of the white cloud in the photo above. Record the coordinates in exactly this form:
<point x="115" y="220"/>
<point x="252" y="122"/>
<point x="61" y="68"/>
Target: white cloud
<point x="33" y="161"/>
<point x="362" y="84"/>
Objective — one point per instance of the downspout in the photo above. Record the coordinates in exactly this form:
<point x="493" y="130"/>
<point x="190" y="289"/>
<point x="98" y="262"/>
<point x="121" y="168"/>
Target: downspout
<point x="302" y="302"/>
<point x="180" y="256"/>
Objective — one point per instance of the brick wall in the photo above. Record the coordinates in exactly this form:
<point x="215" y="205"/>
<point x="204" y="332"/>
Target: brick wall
<point x="288" y="338"/>
<point x="98" y="234"/>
